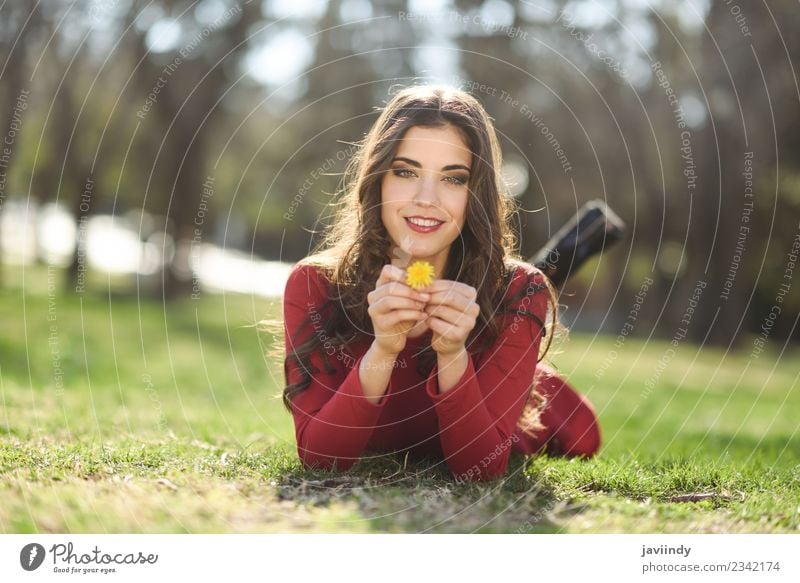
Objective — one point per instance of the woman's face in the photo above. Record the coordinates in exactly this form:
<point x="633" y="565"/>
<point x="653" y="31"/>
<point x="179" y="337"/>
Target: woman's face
<point x="425" y="192"/>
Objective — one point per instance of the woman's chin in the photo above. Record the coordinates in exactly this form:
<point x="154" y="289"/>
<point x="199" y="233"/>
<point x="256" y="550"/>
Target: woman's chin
<point x="425" y="252"/>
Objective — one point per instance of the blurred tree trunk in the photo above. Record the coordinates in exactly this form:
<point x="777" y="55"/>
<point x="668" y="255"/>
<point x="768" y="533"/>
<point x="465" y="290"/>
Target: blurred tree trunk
<point x="69" y="174"/>
<point x="758" y="85"/>
<point x="21" y="22"/>
<point x="187" y="109"/>
<point x="186" y="156"/>
<point x="193" y="137"/>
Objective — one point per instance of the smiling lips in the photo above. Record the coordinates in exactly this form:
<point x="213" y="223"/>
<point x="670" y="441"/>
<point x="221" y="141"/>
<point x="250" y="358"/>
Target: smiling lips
<point x="423" y="225"/>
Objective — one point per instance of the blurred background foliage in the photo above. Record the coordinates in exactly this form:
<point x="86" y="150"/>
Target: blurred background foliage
<point x="227" y="123"/>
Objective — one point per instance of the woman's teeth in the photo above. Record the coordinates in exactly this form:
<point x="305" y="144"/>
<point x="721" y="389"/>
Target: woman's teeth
<point x="423" y="222"/>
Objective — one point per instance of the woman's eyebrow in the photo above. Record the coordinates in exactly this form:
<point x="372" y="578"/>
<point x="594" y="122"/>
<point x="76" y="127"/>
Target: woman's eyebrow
<point x="418" y="165"/>
<point x="407" y="161"/>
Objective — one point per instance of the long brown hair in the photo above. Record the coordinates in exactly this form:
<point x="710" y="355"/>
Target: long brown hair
<point x="356" y="245"/>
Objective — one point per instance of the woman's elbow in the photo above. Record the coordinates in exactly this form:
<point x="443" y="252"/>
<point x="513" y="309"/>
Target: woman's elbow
<point x="581" y="444"/>
<point x="316" y="461"/>
<point x="589" y="443"/>
<point x="482" y="471"/>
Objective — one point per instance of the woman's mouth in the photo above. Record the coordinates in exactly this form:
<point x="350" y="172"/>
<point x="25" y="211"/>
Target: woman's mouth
<point x="423" y="225"/>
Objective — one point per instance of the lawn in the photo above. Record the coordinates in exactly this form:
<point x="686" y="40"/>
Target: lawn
<point x="119" y="415"/>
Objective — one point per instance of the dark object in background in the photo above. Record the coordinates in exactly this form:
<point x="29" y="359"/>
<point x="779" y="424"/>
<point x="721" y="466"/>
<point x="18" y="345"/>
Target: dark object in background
<point x="595" y="227"/>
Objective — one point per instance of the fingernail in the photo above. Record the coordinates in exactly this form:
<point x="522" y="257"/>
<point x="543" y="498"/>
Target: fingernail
<point x="425" y="296"/>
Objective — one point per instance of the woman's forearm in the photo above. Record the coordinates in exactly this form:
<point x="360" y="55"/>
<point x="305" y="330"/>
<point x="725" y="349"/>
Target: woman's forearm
<point x="374" y="373"/>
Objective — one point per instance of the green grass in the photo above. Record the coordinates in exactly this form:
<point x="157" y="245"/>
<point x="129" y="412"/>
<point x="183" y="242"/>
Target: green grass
<point x="169" y="420"/>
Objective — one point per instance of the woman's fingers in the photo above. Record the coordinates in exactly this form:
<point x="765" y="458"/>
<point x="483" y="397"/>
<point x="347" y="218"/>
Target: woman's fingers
<point x="389" y="303"/>
<point x="395" y="289"/>
<point x="445" y="286"/>
<point x="452" y="313"/>
<point x="398" y="316"/>
<point x="393" y="302"/>
<point x="454" y="294"/>
<point x="456" y="301"/>
<point x="452" y="316"/>
<point x="390" y="273"/>
<point x="394" y="308"/>
<point x="453" y="334"/>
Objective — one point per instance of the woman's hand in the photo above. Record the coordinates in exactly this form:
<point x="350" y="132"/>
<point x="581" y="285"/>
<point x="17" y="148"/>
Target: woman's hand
<point x="394" y="309"/>
<point x="452" y="313"/>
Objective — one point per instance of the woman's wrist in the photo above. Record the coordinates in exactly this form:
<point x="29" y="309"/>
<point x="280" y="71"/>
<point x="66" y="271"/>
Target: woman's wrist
<point x="380" y="353"/>
<point x="451" y="367"/>
<point x="374" y="372"/>
<point x="444" y="357"/>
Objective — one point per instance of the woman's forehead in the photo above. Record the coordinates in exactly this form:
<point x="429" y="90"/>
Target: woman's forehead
<point x="435" y="144"/>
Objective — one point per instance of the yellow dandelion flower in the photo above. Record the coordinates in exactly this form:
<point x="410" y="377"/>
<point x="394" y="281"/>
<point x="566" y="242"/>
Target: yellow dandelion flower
<point x="419" y="274"/>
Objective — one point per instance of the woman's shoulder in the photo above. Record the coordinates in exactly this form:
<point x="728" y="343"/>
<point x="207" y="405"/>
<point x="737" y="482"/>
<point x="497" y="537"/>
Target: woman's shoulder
<point x="307" y="268"/>
<point x="526" y="294"/>
<point x="525" y="279"/>
<point x="307" y="278"/>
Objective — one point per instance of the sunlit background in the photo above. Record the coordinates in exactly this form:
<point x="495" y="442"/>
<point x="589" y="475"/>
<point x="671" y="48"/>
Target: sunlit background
<point x="118" y="112"/>
<point x="164" y="164"/>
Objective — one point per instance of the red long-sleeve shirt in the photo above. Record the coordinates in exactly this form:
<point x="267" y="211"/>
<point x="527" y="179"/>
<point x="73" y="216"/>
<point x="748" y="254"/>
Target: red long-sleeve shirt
<point x="470" y="426"/>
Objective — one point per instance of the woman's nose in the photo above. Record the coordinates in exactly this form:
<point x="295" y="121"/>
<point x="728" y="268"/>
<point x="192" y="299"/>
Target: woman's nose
<point x="426" y="192"/>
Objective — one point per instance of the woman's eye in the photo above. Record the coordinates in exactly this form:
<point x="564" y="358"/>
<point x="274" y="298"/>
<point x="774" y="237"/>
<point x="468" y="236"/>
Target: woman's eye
<point x="403" y="172"/>
<point x="459" y="180"/>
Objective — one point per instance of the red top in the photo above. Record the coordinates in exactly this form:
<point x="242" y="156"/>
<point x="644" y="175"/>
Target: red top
<point x="471" y="426"/>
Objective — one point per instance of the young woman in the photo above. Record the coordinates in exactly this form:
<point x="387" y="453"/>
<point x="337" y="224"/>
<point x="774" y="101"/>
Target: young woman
<point x="451" y="370"/>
